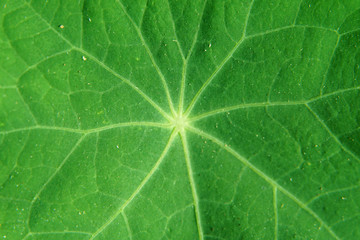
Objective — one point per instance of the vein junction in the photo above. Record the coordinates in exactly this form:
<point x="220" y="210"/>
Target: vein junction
<point x="179" y="122"/>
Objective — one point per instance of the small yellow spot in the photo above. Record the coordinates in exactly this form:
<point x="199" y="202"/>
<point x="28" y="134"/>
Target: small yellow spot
<point x="61" y="26"/>
<point x="84" y="58"/>
<point x="210" y="45"/>
<point x="89" y="19"/>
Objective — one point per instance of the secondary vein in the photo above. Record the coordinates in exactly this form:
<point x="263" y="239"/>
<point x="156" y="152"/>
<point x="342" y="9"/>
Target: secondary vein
<point x="138" y="189"/>
<point x="263" y="175"/>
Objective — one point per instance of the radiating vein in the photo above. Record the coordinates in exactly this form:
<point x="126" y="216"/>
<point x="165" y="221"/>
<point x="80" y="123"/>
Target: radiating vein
<point x="244" y="105"/>
<point x="185" y="66"/>
<point x="37" y="195"/>
<point x="95" y="59"/>
<point x="317" y="117"/>
<point x="91" y="130"/>
<point x="268" y="179"/>
<point x="158" y="70"/>
<point x="192" y="184"/>
<point x="138" y="189"/>
<point x="218" y="69"/>
<point x="268" y="104"/>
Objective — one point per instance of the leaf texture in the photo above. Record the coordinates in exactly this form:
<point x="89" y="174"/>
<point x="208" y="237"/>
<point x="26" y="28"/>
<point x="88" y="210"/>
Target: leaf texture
<point x="165" y="119"/>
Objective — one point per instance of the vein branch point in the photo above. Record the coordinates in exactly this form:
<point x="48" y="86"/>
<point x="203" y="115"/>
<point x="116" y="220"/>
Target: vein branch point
<point x="179" y="122"/>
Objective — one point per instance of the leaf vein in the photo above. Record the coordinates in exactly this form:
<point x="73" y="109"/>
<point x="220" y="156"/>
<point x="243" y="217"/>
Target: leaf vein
<point x="138" y="189"/>
<point x="95" y="59"/>
<point x="192" y="184"/>
<point x="264" y="176"/>
<point x="158" y="70"/>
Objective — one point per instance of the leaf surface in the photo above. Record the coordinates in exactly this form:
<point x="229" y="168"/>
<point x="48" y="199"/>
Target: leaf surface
<point x="162" y="119"/>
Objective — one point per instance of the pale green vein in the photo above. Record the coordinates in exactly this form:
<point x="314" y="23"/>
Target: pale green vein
<point x="13" y="199"/>
<point x="27" y="106"/>
<point x="245" y="105"/>
<point x="185" y="66"/>
<point x="196" y="33"/>
<point x="46" y="58"/>
<point x="297" y="13"/>
<point x="276" y="218"/>
<point x="220" y="67"/>
<point x="25" y="142"/>
<point x="29" y="234"/>
<point x="192" y="184"/>
<point x="92" y="130"/>
<point x="8" y="87"/>
<point x="138" y="189"/>
<point x="268" y="104"/>
<point x="82" y="24"/>
<point x="182" y="88"/>
<point x="331" y="192"/>
<point x="333" y="93"/>
<point x="158" y="70"/>
<point x="127" y="225"/>
<point x="37" y="195"/>
<point x="349" y="32"/>
<point x="317" y="117"/>
<point x="95" y="59"/>
<point x="63" y="232"/>
<point x="272" y="182"/>
<point x="329" y="65"/>
<point x="175" y="34"/>
<point x="289" y="27"/>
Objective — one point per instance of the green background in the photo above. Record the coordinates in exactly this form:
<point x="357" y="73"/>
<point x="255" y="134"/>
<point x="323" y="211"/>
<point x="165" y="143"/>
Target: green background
<point x="124" y="119"/>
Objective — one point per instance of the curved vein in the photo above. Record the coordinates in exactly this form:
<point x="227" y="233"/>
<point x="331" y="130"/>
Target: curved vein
<point x="317" y="117"/>
<point x="95" y="59"/>
<point x="192" y="184"/>
<point x="176" y="37"/>
<point x="185" y="66"/>
<point x="263" y="175"/>
<point x="289" y="27"/>
<point x="245" y="105"/>
<point x="92" y="130"/>
<point x="329" y="65"/>
<point x="138" y="189"/>
<point x="331" y="192"/>
<point x="158" y="70"/>
<point x="218" y="69"/>
<point x="37" y="195"/>
<point x="269" y="104"/>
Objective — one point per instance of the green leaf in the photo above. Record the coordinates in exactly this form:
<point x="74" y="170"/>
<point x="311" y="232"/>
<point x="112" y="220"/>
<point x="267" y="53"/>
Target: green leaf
<point x="165" y="119"/>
